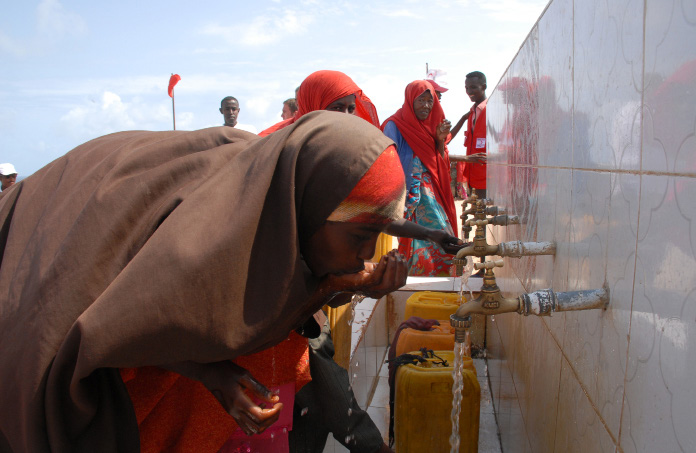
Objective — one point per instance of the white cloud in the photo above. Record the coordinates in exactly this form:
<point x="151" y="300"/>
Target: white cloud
<point x="399" y="13"/>
<point x="514" y="10"/>
<point x="112" y="114"/>
<point x="55" y="22"/>
<point x="263" y="30"/>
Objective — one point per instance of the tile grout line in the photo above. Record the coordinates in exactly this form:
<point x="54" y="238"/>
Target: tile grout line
<point x="602" y="170"/>
<point x="635" y="259"/>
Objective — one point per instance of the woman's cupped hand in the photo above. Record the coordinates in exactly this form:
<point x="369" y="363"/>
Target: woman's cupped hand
<point x="376" y="280"/>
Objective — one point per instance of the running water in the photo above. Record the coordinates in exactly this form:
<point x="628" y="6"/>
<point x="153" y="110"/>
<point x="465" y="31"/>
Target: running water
<point x="464" y="280"/>
<point x="355" y="300"/>
<point x="457" y="386"/>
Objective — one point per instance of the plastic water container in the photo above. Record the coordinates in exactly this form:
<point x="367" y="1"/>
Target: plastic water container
<point x="432" y="305"/>
<point x="423" y="405"/>
<point x="440" y="338"/>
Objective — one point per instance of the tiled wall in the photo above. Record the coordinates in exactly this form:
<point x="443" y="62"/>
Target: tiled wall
<point x="592" y="141"/>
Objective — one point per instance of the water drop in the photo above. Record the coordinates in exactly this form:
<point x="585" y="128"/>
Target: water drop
<point x="272" y="435"/>
<point x="355" y="375"/>
<point x="492" y="318"/>
<point x="357" y="364"/>
<point x="285" y="430"/>
<point x="350" y="411"/>
<point x="304" y="411"/>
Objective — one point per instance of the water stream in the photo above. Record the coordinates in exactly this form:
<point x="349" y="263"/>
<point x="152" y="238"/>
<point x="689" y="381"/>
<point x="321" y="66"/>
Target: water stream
<point x="457" y="386"/>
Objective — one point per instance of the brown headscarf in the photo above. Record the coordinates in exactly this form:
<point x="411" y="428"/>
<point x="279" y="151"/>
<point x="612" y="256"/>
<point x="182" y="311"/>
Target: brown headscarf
<point x="148" y="248"/>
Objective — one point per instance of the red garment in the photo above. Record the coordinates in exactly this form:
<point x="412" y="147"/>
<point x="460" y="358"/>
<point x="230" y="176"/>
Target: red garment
<point x="475" y="142"/>
<point x="420" y="136"/>
<point x="177" y="414"/>
<point x="319" y="90"/>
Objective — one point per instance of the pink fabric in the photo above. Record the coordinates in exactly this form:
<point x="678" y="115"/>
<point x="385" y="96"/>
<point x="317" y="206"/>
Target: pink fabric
<point x="275" y="438"/>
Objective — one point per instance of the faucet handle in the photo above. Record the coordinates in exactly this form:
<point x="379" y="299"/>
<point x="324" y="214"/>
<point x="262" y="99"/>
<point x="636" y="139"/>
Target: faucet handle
<point x="495" y="210"/>
<point x="477" y="223"/>
<point x="504" y="220"/>
<point x="489" y="264"/>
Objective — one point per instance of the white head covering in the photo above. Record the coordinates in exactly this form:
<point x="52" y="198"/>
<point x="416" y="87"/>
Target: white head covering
<point x="7" y="170"/>
<point x="438" y="79"/>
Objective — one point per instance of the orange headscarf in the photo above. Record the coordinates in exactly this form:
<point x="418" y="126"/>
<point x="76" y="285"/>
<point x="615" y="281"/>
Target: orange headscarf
<point x="379" y="196"/>
<point x="421" y="137"/>
<point x="319" y="90"/>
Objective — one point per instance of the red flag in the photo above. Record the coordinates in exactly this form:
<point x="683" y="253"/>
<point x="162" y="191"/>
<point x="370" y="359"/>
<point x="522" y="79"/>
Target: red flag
<point x="173" y="80"/>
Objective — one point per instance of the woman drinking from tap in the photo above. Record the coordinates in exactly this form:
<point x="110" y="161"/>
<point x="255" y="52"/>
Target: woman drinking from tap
<point x="419" y="129"/>
<point x="181" y="251"/>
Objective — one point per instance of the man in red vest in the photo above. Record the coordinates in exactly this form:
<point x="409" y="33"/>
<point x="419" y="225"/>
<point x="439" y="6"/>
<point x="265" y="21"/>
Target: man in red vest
<point x="475" y="136"/>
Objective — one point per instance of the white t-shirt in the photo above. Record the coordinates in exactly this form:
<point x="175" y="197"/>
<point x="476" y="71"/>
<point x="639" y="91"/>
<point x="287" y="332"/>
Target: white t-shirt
<point x="246" y="127"/>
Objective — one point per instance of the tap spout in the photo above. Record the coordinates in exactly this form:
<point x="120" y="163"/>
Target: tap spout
<point x="516" y="249"/>
<point x="539" y="303"/>
<point x="546" y="301"/>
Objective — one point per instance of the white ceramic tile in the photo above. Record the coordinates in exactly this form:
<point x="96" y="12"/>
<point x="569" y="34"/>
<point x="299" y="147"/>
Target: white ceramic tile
<point x="380" y="416"/>
<point x="381" y="396"/>
<point x="670" y="87"/>
<point x="607" y="70"/>
<point x="488" y="434"/>
<point x="660" y="396"/>
<point x="537" y="373"/>
<point x="579" y="428"/>
<point x="376" y="333"/>
<point x="555" y="87"/>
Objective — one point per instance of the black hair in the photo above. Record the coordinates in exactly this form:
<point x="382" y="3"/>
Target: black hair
<point x="228" y="98"/>
<point x="478" y="74"/>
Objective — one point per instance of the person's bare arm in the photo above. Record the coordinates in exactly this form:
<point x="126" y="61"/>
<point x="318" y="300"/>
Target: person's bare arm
<point x="406" y="229"/>
<point x="478" y="158"/>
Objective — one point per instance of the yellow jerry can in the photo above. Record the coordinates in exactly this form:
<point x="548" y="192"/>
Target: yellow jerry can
<point x="423" y="406"/>
<point x="432" y="305"/>
<point x="440" y="338"/>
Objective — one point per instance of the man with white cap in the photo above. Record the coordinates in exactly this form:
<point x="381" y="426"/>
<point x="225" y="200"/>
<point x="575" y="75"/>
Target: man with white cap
<point x="8" y="176"/>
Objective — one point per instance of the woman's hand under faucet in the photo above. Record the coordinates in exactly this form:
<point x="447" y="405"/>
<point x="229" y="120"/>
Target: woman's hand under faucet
<point x="375" y="281"/>
<point x="447" y="242"/>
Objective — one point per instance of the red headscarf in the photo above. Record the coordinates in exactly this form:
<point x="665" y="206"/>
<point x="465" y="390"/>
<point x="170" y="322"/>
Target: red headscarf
<point x="421" y="137"/>
<point x="379" y="196"/>
<point x="319" y="90"/>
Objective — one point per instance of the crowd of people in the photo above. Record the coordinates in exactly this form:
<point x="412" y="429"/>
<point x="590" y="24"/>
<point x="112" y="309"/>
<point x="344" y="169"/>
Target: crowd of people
<point x="164" y="290"/>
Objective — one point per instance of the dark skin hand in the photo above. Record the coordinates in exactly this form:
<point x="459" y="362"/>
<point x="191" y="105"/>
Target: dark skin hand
<point x="375" y="281"/>
<point x="443" y="130"/>
<point x="230" y="383"/>
<point x="406" y="229"/>
<point x="477" y="158"/>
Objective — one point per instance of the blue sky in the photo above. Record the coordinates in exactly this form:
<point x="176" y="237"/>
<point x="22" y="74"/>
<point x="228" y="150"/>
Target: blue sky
<point x="74" y="70"/>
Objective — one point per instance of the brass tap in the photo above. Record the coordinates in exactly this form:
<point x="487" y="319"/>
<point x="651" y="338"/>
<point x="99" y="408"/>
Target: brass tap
<point x="489" y="302"/>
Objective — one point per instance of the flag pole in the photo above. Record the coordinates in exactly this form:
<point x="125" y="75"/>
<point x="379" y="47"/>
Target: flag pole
<point x="173" y="109"/>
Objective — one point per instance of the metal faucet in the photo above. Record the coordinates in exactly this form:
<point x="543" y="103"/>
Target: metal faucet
<point x="490" y="300"/>
<point x="539" y="303"/>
